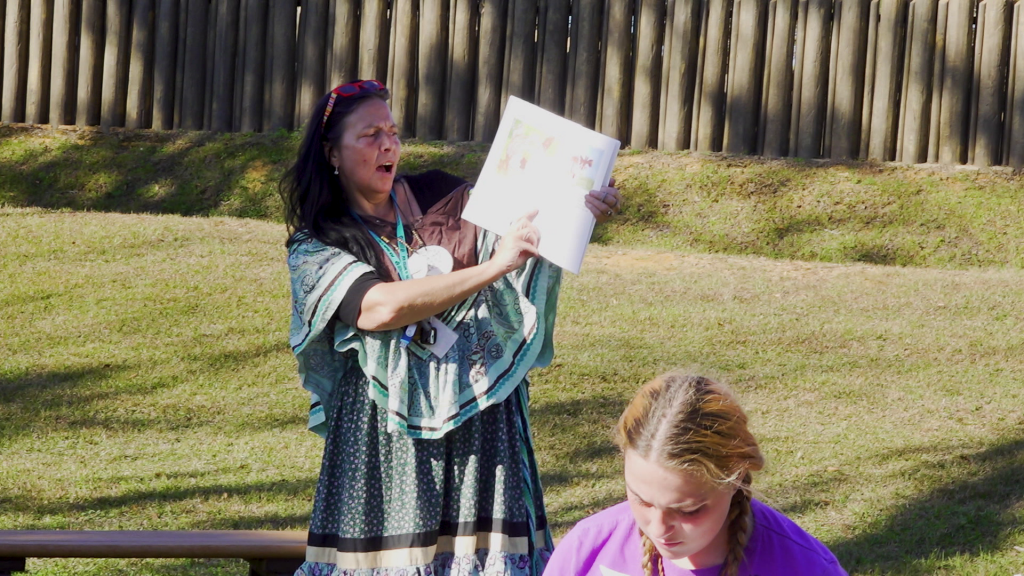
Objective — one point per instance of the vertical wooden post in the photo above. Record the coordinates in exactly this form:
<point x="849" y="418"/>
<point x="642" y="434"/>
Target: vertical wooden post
<point x="889" y="57"/>
<point x="712" y="86"/>
<point x="345" y="43"/>
<point x="551" y="91"/>
<point x="311" y="77"/>
<point x="617" y="87"/>
<point x="462" y="68"/>
<point x="955" y="90"/>
<point x="870" y="65"/>
<point x="282" y="76"/>
<point x="239" y="79"/>
<point x="433" y="48"/>
<point x="685" y="34"/>
<point x="179" y="64"/>
<point x="778" y="108"/>
<point x="1015" y="109"/>
<point x="373" y="39"/>
<point x="115" y="64"/>
<point x="140" y="73"/>
<point x="403" y="85"/>
<point x="918" y="78"/>
<point x="193" y="97"/>
<point x="745" y="83"/>
<point x="211" y="48"/>
<point x="647" y="77"/>
<point x="165" y="63"/>
<point x="40" y="51"/>
<point x="814" y="79"/>
<point x="993" y="71"/>
<point x="938" y="72"/>
<point x="978" y="41"/>
<point x="522" y="51"/>
<point x="490" y="70"/>
<point x="62" y="72"/>
<point x="15" y="73"/>
<point x="254" y="68"/>
<point x="588" y="63"/>
<point x="849" y="78"/>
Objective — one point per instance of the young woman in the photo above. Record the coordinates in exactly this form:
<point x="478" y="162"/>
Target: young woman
<point x="688" y="463"/>
<point x="414" y="330"/>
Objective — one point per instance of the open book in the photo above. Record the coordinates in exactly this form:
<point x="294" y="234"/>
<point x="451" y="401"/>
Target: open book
<point x="541" y="160"/>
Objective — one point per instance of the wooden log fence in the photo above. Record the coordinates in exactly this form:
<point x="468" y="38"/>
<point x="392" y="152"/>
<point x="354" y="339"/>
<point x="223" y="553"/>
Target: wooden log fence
<point x="891" y="80"/>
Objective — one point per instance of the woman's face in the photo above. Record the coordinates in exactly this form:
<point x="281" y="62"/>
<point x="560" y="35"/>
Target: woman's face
<point x="368" y="152"/>
<point x="683" y="515"/>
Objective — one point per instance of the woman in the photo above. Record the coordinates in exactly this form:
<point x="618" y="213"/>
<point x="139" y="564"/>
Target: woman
<point x="688" y="463"/>
<point x="414" y="330"/>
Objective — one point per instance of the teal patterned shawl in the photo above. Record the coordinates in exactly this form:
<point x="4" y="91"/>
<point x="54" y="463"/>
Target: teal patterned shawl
<point x="503" y="331"/>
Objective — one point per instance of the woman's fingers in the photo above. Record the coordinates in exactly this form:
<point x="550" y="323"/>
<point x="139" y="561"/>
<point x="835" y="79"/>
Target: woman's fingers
<point x="604" y="203"/>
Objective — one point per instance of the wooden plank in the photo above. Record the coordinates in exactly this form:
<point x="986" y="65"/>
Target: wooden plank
<point x="282" y="76"/>
<point x="666" y="72"/>
<point x="522" y="50"/>
<point x="165" y="64"/>
<point x="140" y="69"/>
<point x="991" y="101"/>
<point x="553" y="59"/>
<point x="193" y="97"/>
<point x="40" y="54"/>
<point x="682" y="57"/>
<point x="225" y="44"/>
<point x="62" y="71"/>
<point x="403" y="85"/>
<point x="345" y="42"/>
<point x="462" y="69"/>
<point x="239" y="79"/>
<point x="712" y="94"/>
<point x="490" y="70"/>
<point x="871" y="64"/>
<point x="938" y="72"/>
<point x="800" y="43"/>
<point x="647" y="76"/>
<point x="1015" y="110"/>
<point x="743" y="106"/>
<point x="814" y="78"/>
<point x="15" y="74"/>
<point x="849" y="80"/>
<point x="152" y="544"/>
<point x="433" y="60"/>
<point x="179" y="64"/>
<point x="955" y="91"/>
<point x="311" y="75"/>
<point x="975" y="77"/>
<point x="780" y="89"/>
<point x="889" y="55"/>
<point x="918" y="79"/>
<point x="3" y="30"/>
<point x="588" y="65"/>
<point x="115" y="63"/>
<point x="373" y="39"/>
<point x="90" y="64"/>
<point x="254" y="67"/>
<point x="617" y="86"/>
<point x="211" y="46"/>
<point x="1011" y="82"/>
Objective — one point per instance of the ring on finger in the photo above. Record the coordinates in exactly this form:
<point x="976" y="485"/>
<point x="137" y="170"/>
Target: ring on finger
<point x="608" y="213"/>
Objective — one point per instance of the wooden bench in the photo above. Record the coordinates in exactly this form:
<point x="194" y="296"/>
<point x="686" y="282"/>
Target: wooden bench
<point x="269" y="553"/>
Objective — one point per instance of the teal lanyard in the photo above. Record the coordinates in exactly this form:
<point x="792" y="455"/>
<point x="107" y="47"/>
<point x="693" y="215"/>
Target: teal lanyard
<point x="401" y="259"/>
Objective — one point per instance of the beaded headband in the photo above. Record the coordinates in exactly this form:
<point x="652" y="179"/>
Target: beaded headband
<point x="350" y="89"/>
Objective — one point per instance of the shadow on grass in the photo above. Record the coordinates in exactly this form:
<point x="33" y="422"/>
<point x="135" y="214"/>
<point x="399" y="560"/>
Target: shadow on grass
<point x="157" y="498"/>
<point x="969" y="516"/>
<point x="185" y="173"/>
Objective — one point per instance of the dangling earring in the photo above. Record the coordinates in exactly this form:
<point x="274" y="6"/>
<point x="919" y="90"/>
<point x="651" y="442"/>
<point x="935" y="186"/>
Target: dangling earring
<point x="335" y="170"/>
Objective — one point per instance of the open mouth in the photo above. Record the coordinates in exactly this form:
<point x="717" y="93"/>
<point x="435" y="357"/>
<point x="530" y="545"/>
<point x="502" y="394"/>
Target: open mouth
<point x="387" y="167"/>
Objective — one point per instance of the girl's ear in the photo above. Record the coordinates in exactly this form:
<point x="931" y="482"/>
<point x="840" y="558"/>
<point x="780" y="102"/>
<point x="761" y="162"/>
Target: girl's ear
<point x="331" y="154"/>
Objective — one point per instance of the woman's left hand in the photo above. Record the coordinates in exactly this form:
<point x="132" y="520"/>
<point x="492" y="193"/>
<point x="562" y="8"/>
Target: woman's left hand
<point x="605" y="203"/>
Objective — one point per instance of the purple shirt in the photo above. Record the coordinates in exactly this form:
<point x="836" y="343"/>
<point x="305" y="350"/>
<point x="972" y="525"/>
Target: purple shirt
<point x="608" y="544"/>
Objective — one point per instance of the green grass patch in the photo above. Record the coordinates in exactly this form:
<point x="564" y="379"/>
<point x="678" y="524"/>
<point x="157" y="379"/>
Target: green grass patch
<point x="787" y="209"/>
<point x="146" y="383"/>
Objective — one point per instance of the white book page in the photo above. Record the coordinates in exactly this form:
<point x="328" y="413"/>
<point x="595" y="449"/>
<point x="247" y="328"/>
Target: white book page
<point x="542" y="161"/>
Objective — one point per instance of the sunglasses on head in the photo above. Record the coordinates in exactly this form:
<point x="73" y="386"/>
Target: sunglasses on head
<point x="350" y="89"/>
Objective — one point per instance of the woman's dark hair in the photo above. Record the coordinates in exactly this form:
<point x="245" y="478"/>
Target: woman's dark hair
<point x="314" y="199"/>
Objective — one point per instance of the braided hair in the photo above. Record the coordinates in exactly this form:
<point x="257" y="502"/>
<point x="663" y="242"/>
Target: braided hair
<point x="694" y="425"/>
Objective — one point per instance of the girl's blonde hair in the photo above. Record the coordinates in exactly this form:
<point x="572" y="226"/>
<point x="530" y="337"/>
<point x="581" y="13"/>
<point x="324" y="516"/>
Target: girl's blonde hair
<point x="694" y="425"/>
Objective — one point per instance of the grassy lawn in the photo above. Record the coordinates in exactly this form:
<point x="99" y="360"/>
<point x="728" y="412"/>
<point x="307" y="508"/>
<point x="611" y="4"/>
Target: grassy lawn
<point x="146" y="381"/>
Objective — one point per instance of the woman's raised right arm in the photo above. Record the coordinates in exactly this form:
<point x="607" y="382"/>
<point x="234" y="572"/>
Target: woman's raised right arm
<point x="391" y="305"/>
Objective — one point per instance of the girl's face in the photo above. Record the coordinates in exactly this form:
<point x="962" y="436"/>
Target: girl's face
<point x="367" y="155"/>
<point x="684" y="515"/>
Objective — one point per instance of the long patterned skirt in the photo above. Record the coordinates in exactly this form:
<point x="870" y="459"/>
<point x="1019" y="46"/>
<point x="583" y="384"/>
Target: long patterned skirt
<point x="467" y="504"/>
